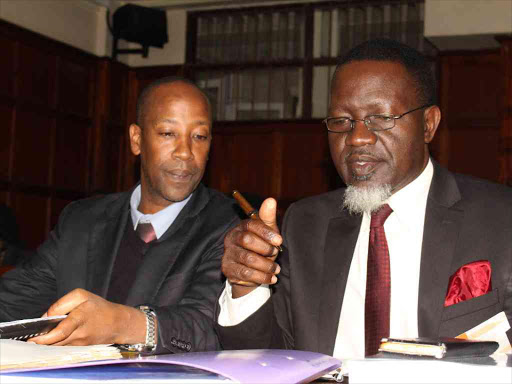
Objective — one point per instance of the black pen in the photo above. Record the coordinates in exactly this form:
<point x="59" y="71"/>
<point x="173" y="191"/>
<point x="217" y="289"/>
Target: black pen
<point x="249" y="210"/>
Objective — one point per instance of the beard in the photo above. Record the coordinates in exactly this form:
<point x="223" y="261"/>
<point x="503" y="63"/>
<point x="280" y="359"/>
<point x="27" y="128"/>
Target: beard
<point x="360" y="199"/>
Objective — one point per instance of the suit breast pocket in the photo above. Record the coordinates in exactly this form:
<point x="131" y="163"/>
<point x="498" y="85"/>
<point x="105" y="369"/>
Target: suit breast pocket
<point x="461" y="317"/>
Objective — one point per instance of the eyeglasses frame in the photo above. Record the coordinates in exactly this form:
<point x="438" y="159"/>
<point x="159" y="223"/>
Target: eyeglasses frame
<point x="365" y="119"/>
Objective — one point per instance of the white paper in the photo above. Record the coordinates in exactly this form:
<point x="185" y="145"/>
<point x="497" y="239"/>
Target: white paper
<point x="493" y="329"/>
<point x="20" y="354"/>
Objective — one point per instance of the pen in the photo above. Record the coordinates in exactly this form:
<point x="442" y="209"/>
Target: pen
<point x="248" y="209"/>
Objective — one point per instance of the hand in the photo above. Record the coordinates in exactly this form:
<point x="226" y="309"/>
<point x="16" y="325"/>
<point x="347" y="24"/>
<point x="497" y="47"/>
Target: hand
<point x="250" y="251"/>
<point x="93" y="320"/>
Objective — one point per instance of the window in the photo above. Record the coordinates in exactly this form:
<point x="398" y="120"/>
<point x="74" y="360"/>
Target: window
<point x="276" y="62"/>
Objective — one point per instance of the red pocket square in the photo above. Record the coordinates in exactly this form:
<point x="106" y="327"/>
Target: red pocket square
<point x="469" y="281"/>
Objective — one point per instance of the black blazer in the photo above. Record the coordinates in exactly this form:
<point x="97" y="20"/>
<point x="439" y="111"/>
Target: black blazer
<point x="466" y="220"/>
<point x="183" y="265"/>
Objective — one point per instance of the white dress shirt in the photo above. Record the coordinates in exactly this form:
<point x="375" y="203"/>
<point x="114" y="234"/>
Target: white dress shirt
<point x="162" y="220"/>
<point x="404" y="233"/>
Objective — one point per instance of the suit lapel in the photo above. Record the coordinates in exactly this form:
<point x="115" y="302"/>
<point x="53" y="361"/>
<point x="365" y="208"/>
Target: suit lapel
<point x="104" y="244"/>
<point x="441" y="230"/>
<point x="163" y="254"/>
<point x="340" y="243"/>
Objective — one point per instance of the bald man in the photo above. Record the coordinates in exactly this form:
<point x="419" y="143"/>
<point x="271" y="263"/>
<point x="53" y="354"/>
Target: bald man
<point x="139" y="268"/>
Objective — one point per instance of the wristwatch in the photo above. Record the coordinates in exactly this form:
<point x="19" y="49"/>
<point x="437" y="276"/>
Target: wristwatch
<point x="150" y="344"/>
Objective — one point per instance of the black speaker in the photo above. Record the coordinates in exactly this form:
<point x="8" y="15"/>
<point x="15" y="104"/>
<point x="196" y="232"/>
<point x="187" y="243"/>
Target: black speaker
<point x="143" y="25"/>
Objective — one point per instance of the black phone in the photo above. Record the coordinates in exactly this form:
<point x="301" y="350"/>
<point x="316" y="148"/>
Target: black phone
<point x="25" y="329"/>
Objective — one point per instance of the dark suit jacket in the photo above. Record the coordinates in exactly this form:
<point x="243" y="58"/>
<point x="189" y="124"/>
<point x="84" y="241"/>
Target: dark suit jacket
<point x="179" y="277"/>
<point x="466" y="220"/>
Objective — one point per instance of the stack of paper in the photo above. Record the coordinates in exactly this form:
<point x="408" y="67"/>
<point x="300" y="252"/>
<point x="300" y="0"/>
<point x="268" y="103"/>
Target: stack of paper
<point x="20" y="354"/>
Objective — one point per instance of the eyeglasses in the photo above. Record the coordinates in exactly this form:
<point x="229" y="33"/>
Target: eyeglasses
<point x="372" y="122"/>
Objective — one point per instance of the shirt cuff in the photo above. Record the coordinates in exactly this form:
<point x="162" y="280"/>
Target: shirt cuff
<point x="234" y="311"/>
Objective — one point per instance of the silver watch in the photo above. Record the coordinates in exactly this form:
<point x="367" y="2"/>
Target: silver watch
<point x="150" y="344"/>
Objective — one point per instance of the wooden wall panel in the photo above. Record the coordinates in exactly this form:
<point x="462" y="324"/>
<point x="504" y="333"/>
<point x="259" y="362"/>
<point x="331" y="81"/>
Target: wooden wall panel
<point x="287" y="161"/>
<point x="32" y="217"/>
<point x="7" y="66"/>
<point x="251" y="168"/>
<point x="480" y="152"/>
<point x="219" y="169"/>
<point x="33" y="148"/>
<point x="506" y="122"/>
<point x="118" y="87"/>
<point x="6" y="116"/>
<point x="37" y="76"/>
<point x="55" y="108"/>
<point x="110" y="127"/>
<point x="471" y="89"/>
<point x="71" y="154"/>
<point x="305" y="169"/>
<point x="76" y="84"/>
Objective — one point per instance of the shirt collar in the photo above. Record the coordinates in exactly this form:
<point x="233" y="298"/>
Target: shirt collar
<point x="410" y="201"/>
<point x="162" y="220"/>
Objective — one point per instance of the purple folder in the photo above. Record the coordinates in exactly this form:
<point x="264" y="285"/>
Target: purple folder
<point x="244" y="366"/>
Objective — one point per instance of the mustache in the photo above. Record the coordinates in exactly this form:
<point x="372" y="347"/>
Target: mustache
<point x="362" y="153"/>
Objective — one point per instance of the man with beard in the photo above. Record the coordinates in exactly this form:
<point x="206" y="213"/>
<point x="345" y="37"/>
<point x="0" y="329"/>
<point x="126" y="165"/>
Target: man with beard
<point x="139" y="268"/>
<point x="408" y="249"/>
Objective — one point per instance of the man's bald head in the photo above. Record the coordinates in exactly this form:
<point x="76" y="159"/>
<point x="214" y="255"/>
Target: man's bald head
<point x="145" y="96"/>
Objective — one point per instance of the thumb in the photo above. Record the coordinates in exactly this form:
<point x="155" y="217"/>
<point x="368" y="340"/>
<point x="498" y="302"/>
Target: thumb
<point x="268" y="212"/>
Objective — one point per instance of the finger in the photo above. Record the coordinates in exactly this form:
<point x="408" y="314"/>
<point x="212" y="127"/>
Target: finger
<point x="258" y="237"/>
<point x="68" y="302"/>
<point x="61" y="332"/>
<point x="72" y="341"/>
<point x="268" y="213"/>
<point x="239" y="272"/>
<point x="257" y="262"/>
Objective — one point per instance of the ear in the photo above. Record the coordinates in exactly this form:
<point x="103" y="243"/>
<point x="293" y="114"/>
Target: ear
<point x="135" y="139"/>
<point x="431" y="119"/>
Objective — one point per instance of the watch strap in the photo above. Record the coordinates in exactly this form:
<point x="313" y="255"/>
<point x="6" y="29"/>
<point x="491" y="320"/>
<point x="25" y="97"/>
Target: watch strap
<point x="150" y="344"/>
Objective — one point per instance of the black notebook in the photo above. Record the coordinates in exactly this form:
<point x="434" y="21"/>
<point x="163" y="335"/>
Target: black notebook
<point x="439" y="348"/>
<point x="25" y="329"/>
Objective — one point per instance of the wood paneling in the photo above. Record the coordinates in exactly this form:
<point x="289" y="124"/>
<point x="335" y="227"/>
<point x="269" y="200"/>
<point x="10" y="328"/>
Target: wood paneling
<point x="306" y="163"/>
<point x="32" y="217"/>
<point x="76" y="87"/>
<point x="7" y="66"/>
<point x="287" y="160"/>
<point x="6" y="117"/>
<point x="71" y="154"/>
<point x="37" y="76"/>
<point x="56" y="107"/>
<point x="471" y="89"/>
<point x="33" y="147"/>
<point x="506" y="121"/>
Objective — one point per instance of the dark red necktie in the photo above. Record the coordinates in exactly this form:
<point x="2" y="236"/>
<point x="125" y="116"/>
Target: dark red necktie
<point x="146" y="232"/>
<point x="378" y="284"/>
